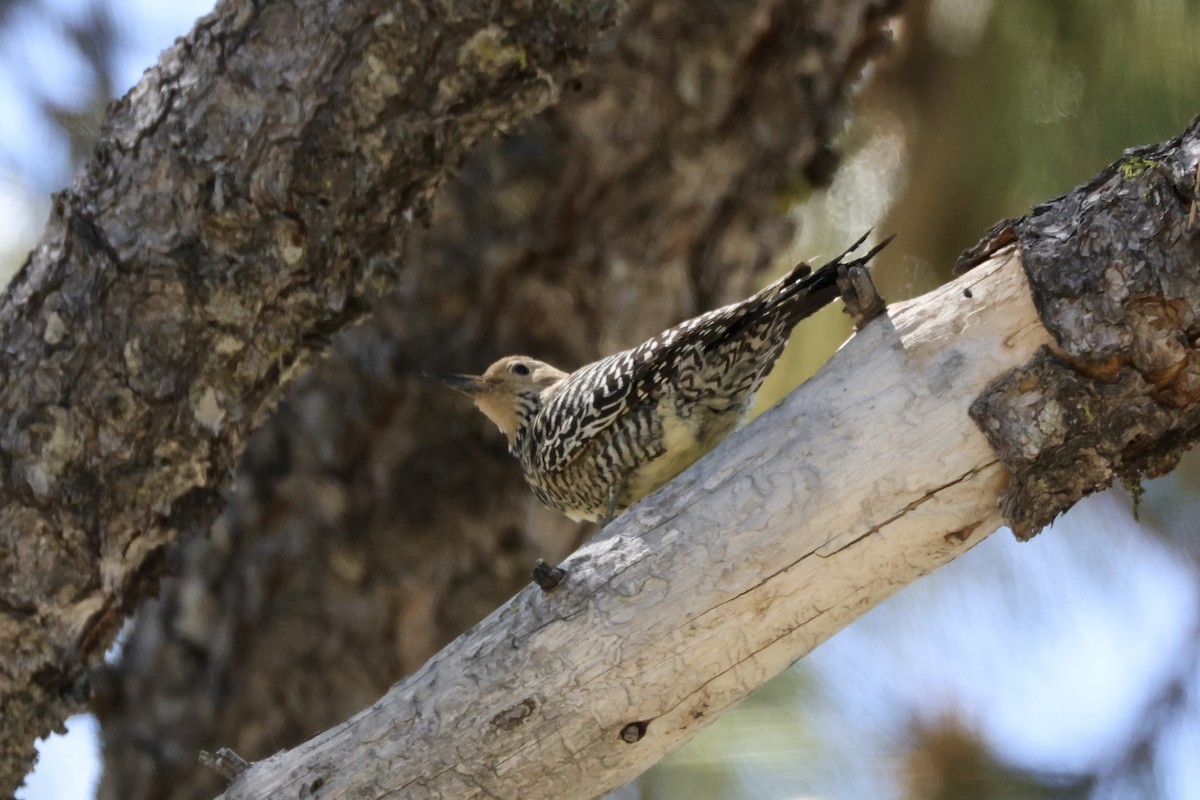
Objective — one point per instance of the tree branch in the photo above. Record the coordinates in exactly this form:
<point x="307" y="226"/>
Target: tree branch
<point x="790" y="530"/>
<point x="1113" y="270"/>
<point x="242" y="201"/>
<point x="712" y="586"/>
<point x="374" y="518"/>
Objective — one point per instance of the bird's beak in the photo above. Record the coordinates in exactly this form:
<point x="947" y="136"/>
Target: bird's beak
<point x="467" y="384"/>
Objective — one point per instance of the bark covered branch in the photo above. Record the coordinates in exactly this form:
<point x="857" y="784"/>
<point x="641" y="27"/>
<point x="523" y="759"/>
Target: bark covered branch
<point x="1113" y="270"/>
<point x="870" y="475"/>
<point x="243" y="202"/>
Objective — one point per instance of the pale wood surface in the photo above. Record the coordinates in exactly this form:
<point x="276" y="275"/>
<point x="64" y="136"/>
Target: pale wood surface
<point x="867" y="477"/>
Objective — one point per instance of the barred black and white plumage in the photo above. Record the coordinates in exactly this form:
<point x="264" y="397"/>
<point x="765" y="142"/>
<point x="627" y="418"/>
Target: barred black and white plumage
<point x="601" y="438"/>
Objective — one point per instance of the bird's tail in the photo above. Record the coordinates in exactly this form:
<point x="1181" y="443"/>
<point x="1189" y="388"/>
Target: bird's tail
<point x="804" y="292"/>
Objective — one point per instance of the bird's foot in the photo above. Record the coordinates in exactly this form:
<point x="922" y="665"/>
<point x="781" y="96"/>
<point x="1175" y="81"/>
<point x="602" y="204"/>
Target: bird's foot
<point x="610" y="510"/>
<point x="863" y="301"/>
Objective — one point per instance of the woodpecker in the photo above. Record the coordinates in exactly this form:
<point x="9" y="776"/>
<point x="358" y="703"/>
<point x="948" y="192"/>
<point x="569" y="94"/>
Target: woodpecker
<point x="593" y="442"/>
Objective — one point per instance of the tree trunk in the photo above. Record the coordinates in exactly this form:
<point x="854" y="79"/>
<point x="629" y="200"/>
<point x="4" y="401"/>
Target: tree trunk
<point x="377" y="517"/>
<point x="799" y="524"/>
<point x="242" y="203"/>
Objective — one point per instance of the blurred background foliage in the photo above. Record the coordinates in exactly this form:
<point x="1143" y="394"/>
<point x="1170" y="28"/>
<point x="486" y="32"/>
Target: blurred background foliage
<point x="1068" y="667"/>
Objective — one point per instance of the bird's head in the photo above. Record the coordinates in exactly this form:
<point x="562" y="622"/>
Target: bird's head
<point x="509" y="392"/>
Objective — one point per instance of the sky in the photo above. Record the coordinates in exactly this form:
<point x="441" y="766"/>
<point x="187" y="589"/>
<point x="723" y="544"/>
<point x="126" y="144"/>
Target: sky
<point x="1050" y="647"/>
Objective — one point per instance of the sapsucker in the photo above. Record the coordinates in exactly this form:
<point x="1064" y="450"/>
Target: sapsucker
<point x="595" y="441"/>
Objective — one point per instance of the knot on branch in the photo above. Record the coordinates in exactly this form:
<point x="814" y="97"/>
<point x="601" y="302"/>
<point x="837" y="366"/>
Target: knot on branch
<point x="634" y="731"/>
<point x="1112" y="268"/>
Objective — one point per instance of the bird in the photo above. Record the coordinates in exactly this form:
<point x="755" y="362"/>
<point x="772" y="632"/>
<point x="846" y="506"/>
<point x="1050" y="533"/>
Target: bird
<point x="594" y="441"/>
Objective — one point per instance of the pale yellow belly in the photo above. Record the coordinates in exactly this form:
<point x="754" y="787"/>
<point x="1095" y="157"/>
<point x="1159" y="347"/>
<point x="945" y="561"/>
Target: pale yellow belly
<point x="684" y="444"/>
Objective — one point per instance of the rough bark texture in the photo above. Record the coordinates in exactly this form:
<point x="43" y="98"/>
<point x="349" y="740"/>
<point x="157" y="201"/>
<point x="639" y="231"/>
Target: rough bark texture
<point x="1112" y="267"/>
<point x="376" y="517"/>
<point x="243" y="201"/>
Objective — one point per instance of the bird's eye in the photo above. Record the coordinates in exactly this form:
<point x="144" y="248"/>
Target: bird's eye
<point x="519" y="369"/>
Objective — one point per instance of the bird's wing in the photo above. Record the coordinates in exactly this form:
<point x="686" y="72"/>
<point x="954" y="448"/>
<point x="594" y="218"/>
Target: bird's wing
<point x="594" y="397"/>
<point x="586" y="403"/>
<point x="700" y="354"/>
